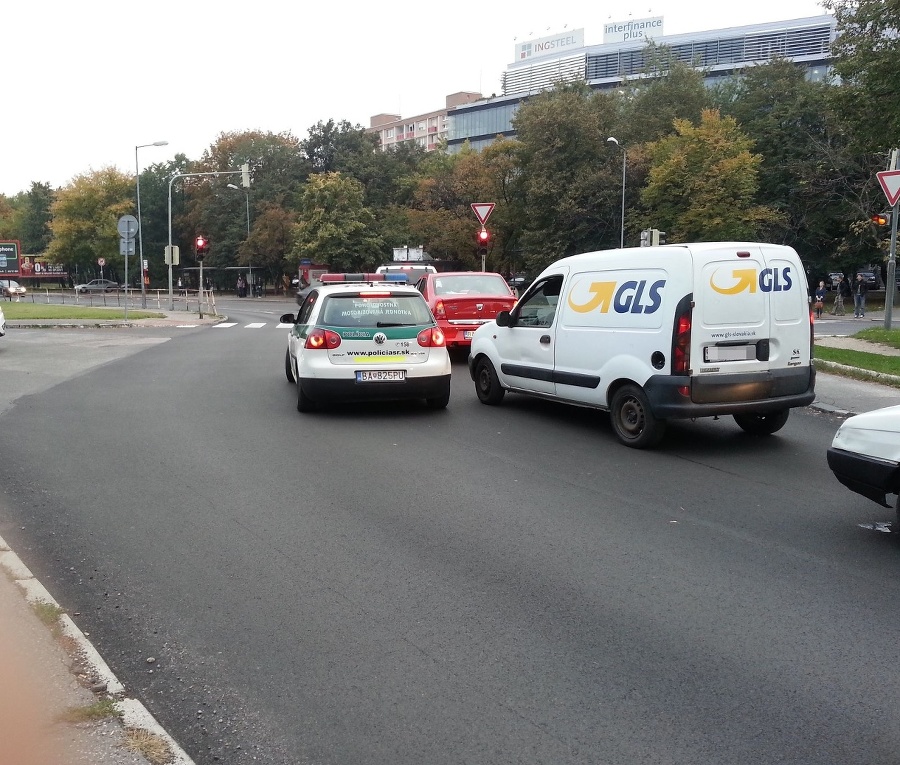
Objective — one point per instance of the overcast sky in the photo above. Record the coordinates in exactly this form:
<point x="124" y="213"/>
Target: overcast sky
<point x="87" y="81"/>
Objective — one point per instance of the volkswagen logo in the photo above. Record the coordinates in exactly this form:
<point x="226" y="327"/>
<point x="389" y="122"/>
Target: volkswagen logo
<point x="380" y="338"/>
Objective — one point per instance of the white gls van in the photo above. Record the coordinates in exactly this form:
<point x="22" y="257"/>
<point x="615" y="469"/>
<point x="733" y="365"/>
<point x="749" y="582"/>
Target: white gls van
<point x="653" y="333"/>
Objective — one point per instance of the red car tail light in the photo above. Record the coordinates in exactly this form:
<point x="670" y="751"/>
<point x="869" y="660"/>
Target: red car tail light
<point x="322" y="338"/>
<point x="431" y="338"/>
<point x="439" y="312"/>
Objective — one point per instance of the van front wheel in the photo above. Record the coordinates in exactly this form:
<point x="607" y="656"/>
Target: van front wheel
<point x="632" y="419"/>
<point x="762" y="424"/>
<point x="487" y="384"/>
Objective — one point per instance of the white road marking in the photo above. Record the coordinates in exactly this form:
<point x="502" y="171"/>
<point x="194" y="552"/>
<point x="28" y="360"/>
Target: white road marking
<point x="284" y="326"/>
<point x="255" y="325"/>
<point x="225" y="324"/>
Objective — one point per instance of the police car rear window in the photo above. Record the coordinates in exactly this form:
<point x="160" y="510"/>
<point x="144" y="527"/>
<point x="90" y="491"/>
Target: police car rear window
<point x="374" y="311"/>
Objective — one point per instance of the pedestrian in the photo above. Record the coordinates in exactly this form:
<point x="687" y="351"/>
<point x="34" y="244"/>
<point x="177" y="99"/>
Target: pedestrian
<point x="859" y="297"/>
<point x="841" y="291"/>
<point x="819" y="304"/>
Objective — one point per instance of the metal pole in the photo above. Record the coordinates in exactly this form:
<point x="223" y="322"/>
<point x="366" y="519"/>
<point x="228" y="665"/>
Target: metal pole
<point x="137" y="176"/>
<point x="171" y="294"/>
<point x="891" y="286"/>
<point x="622" y="231"/>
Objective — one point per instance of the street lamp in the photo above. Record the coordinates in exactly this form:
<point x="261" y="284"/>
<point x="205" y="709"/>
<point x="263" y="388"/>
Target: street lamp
<point x="622" y="230"/>
<point x="249" y="262"/>
<point x="137" y="175"/>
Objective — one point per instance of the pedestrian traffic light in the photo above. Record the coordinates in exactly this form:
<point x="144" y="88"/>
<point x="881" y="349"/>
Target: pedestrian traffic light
<point x="201" y="246"/>
<point x="881" y="219"/>
<point x="483" y="238"/>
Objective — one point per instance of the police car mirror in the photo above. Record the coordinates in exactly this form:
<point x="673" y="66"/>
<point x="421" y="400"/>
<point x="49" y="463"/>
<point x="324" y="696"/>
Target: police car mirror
<point x="288" y="318"/>
<point x="502" y="319"/>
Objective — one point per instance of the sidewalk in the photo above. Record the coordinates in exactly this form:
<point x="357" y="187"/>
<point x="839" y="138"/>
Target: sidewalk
<point x="47" y="671"/>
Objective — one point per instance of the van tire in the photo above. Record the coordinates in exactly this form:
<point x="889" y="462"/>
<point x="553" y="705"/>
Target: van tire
<point x="304" y="402"/>
<point x="762" y="424"/>
<point x="632" y="419"/>
<point x="288" y="369"/>
<point x="487" y="384"/>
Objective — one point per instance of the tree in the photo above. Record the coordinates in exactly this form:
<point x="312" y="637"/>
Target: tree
<point x="335" y="227"/>
<point x="867" y="59"/>
<point x="703" y="183"/>
<point x="85" y="216"/>
<point x="35" y="218"/>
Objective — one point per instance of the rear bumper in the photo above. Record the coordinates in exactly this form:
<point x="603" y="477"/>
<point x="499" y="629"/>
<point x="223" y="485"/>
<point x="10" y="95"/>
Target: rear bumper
<point x="332" y="390"/>
<point x="760" y="393"/>
<point x="868" y="476"/>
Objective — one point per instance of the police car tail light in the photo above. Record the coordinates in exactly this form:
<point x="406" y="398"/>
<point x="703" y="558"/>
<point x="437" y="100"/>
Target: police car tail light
<point x="431" y="338"/>
<point x="439" y="312"/>
<point x="681" y="344"/>
<point x="322" y="339"/>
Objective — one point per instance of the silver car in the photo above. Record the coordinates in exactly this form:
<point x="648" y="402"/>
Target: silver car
<point x="97" y="285"/>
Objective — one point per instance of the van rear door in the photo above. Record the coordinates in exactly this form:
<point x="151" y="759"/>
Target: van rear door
<point x="750" y="312"/>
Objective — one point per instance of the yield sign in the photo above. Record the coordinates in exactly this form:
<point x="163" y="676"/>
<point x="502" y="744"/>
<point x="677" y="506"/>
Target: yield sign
<point x="483" y="211"/>
<point x="890" y="184"/>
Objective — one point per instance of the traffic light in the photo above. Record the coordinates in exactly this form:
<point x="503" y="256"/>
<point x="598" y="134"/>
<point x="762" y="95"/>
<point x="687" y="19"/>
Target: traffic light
<point x="657" y="237"/>
<point x="201" y="246"/>
<point x="881" y="219"/>
<point x="484" y="239"/>
<point x="645" y="237"/>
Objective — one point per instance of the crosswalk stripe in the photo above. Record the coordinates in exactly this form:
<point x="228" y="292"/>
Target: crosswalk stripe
<point x="284" y="326"/>
<point x="255" y="325"/>
<point x="225" y="325"/>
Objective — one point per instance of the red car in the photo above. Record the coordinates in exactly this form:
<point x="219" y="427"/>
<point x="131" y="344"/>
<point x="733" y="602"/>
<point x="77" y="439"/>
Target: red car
<point x="462" y="301"/>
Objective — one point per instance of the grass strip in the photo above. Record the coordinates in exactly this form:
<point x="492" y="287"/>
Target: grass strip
<point x="25" y="311"/>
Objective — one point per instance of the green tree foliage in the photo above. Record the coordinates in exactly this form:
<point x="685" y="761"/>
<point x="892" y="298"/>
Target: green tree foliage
<point x="569" y="181"/>
<point x="35" y="218"/>
<point x="703" y="183"/>
<point x="84" y="219"/>
<point x="335" y="227"/>
<point x="867" y="59"/>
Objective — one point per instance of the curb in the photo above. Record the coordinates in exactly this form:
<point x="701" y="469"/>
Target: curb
<point x="134" y="715"/>
<point x="858" y="373"/>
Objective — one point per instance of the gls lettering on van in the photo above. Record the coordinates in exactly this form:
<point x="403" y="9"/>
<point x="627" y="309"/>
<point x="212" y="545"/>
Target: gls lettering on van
<point x="747" y="279"/>
<point x="629" y="297"/>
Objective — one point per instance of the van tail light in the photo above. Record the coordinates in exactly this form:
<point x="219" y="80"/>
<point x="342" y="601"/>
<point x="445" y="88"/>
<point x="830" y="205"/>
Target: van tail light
<point x="431" y="338"/>
<point x="681" y="340"/>
<point x="812" y="335"/>
<point x="320" y="339"/>
<point x="439" y="312"/>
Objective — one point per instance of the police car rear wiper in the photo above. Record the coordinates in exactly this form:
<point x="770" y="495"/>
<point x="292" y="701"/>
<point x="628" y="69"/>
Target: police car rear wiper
<point x="395" y="324"/>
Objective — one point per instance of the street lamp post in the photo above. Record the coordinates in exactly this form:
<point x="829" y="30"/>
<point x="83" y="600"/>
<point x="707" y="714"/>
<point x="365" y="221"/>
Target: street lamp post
<point x="249" y="261"/>
<point x="137" y="175"/>
<point x="622" y="229"/>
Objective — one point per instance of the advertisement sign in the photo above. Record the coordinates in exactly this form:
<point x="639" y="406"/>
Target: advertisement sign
<point x="633" y="30"/>
<point x="37" y="267"/>
<point x="9" y="257"/>
<point x="553" y="45"/>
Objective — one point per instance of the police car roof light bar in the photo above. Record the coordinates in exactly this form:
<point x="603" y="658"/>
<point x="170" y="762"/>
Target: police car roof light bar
<point x="350" y="278"/>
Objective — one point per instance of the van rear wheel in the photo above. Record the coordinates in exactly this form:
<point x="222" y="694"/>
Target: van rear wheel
<point x="762" y="424"/>
<point x="632" y="419"/>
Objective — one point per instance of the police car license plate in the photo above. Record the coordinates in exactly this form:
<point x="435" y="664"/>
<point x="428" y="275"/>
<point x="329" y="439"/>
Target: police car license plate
<point x="467" y="335"/>
<point x="381" y="375"/>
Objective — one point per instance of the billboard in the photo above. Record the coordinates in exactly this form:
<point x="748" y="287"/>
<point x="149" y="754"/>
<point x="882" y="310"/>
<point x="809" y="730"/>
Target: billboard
<point x="633" y="30"/>
<point x="9" y="257"/>
<point x="548" y="46"/>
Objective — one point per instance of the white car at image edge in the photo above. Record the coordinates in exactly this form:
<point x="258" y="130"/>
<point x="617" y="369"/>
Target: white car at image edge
<point x="865" y="455"/>
<point x="2" y="323"/>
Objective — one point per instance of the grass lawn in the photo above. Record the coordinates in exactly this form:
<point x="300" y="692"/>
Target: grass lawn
<point x="872" y="362"/>
<point x="23" y="310"/>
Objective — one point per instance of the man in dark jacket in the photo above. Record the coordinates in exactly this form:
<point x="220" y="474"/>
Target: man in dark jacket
<point x="842" y="292"/>
<point x="859" y="297"/>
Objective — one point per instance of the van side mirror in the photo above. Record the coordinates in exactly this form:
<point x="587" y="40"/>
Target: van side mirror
<point x="288" y="318"/>
<point x="502" y="319"/>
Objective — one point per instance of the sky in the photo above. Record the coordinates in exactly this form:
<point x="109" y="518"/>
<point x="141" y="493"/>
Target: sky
<point x="86" y="82"/>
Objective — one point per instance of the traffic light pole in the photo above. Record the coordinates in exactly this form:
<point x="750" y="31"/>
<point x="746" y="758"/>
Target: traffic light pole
<point x="245" y="174"/>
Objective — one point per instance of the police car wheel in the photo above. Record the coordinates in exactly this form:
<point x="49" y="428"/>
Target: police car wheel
<point x="288" y="367"/>
<point x="632" y="419"/>
<point x="487" y="384"/>
<point x="762" y="424"/>
<point x="304" y="403"/>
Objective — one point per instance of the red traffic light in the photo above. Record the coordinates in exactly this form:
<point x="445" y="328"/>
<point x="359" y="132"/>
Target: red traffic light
<point x="881" y="219"/>
<point x="484" y="236"/>
<point x="201" y="242"/>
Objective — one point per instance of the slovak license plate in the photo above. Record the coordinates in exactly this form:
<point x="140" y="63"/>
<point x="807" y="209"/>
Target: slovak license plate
<point x="380" y="375"/>
<point x="467" y="335"/>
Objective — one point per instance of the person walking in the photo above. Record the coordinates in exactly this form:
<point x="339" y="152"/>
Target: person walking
<point x="819" y="304"/>
<point x="859" y="297"/>
<point x="841" y="292"/>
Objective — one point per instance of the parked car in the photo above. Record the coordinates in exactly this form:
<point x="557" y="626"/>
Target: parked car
<point x="97" y="285"/>
<point x="2" y="323"/>
<point x="869" y="278"/>
<point x="865" y="455"/>
<point x="833" y="280"/>
<point x="461" y="301"/>
<point x="10" y="288"/>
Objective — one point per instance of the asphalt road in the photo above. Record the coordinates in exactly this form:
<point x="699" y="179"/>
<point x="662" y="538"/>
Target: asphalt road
<point x="388" y="584"/>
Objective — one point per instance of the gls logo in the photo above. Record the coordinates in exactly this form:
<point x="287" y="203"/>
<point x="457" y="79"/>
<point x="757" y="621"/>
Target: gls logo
<point x="769" y="280"/>
<point x="630" y="297"/>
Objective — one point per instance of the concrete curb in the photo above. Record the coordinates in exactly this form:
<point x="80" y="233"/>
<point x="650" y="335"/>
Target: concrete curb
<point x="857" y="373"/>
<point x="134" y="714"/>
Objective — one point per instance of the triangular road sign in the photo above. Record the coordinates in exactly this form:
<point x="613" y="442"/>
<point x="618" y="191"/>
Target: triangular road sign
<point x="890" y="184"/>
<point x="483" y="211"/>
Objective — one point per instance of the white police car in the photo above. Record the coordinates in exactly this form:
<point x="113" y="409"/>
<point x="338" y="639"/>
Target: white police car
<point x="366" y="337"/>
